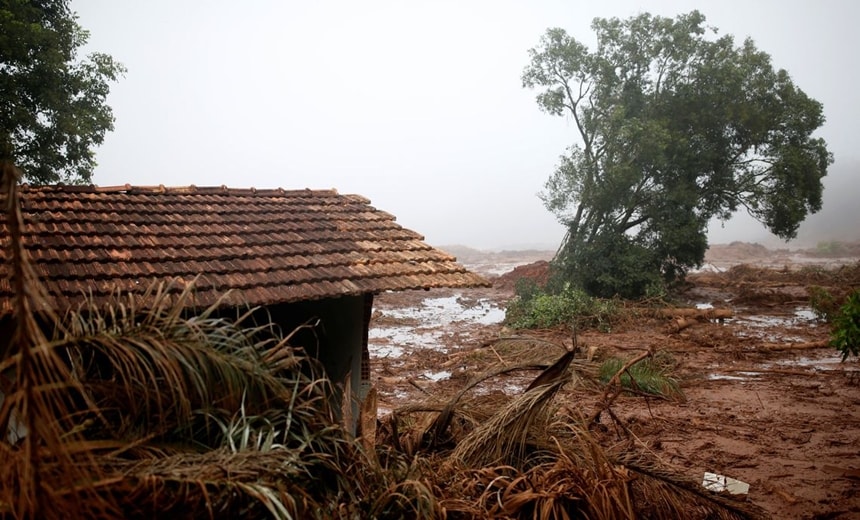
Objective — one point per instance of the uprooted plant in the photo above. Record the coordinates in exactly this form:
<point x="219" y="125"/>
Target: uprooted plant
<point x="648" y="377"/>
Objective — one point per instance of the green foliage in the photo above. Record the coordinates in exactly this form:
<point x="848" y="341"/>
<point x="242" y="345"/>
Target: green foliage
<point x="527" y="288"/>
<point x="831" y="248"/>
<point x="52" y="106"/>
<point x="625" y="269"/>
<point x="845" y="336"/>
<point x="538" y="309"/>
<point x="823" y="304"/>
<point x="675" y="127"/>
<point x="649" y="376"/>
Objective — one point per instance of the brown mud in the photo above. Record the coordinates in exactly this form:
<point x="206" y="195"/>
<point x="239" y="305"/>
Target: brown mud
<point x="767" y="401"/>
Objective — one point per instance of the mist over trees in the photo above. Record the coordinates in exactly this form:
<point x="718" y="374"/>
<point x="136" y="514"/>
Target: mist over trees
<point x="52" y="105"/>
<point x="676" y="126"/>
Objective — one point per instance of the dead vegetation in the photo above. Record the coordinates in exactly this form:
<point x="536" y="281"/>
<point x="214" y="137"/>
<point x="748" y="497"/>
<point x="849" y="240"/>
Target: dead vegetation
<point x="530" y="457"/>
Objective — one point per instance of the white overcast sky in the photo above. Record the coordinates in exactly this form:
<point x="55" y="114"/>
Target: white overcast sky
<point x="417" y="105"/>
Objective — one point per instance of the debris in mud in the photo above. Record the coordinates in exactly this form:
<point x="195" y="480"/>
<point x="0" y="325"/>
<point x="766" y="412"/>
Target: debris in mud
<point x="721" y="483"/>
<point x="766" y="396"/>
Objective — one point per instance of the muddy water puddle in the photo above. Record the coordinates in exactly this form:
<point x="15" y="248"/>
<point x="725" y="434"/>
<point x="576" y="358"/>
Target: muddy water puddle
<point x="781" y="328"/>
<point x="429" y="324"/>
<point x="802" y="325"/>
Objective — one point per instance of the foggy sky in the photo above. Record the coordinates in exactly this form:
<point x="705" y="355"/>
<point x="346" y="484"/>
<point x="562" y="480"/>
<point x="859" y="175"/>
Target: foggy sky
<point x="417" y="105"/>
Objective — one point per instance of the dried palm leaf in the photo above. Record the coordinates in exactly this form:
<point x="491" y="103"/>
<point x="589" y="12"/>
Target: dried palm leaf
<point x="505" y="437"/>
<point x="38" y="471"/>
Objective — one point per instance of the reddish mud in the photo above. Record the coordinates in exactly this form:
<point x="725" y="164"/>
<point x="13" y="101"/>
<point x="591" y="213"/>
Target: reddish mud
<point x="766" y="401"/>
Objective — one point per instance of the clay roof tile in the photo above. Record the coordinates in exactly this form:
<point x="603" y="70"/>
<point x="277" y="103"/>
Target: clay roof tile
<point x="270" y="245"/>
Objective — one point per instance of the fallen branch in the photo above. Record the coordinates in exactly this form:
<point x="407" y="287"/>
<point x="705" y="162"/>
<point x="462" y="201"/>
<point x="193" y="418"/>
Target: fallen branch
<point x="680" y="324"/>
<point x="416" y="385"/>
<point x="842" y="472"/>
<point x="699" y="314"/>
<point x="795" y="346"/>
<point x="454" y="358"/>
<point x="530" y="339"/>
<point x="551" y="374"/>
<point x="775" y="347"/>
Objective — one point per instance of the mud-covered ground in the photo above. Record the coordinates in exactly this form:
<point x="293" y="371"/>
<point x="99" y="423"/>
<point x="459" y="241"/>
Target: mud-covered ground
<point x="766" y="401"/>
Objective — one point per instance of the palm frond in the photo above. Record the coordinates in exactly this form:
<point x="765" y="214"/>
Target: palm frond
<point x="35" y="386"/>
<point x="505" y="438"/>
<point x="153" y="371"/>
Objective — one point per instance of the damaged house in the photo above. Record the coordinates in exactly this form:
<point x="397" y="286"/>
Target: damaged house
<point x="300" y="256"/>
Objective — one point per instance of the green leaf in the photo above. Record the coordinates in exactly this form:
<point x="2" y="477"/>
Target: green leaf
<point x="53" y="109"/>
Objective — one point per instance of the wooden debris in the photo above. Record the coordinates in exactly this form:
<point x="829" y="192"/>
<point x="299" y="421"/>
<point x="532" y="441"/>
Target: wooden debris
<point x="367" y="422"/>
<point x="686" y="317"/>
<point x="698" y="314"/>
<point x="795" y="346"/>
<point x="842" y="472"/>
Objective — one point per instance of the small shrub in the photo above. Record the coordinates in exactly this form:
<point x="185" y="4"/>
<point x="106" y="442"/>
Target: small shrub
<point x="526" y="289"/>
<point x="544" y="310"/>
<point x="845" y="336"/>
<point x="822" y="302"/>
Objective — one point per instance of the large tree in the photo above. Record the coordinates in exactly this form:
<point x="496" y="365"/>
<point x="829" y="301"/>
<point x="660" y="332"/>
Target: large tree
<point x="52" y="106"/>
<point x="675" y="126"/>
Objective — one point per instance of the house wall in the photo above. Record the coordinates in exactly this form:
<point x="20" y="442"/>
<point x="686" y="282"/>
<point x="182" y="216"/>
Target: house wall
<point x="338" y="341"/>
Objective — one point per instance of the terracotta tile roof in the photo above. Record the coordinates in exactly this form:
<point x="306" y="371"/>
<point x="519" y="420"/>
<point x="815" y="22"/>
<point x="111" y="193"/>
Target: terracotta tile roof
<point x="269" y="245"/>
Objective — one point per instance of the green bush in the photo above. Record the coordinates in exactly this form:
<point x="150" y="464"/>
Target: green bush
<point x="822" y="302"/>
<point x="534" y="308"/>
<point x="845" y="336"/>
<point x="527" y="288"/>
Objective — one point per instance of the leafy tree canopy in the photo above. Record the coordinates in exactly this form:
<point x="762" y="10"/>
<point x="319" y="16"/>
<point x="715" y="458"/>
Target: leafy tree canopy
<point x="675" y="126"/>
<point x="52" y="106"/>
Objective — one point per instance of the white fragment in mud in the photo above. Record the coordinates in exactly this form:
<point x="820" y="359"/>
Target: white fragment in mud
<point x="720" y="483"/>
<point x="708" y="268"/>
<point x="437" y="376"/>
<point x="726" y="377"/>
<point x="401" y="338"/>
<point x="805" y="313"/>
<point x="704" y="306"/>
<point x="384" y="351"/>
<point x="513" y="388"/>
